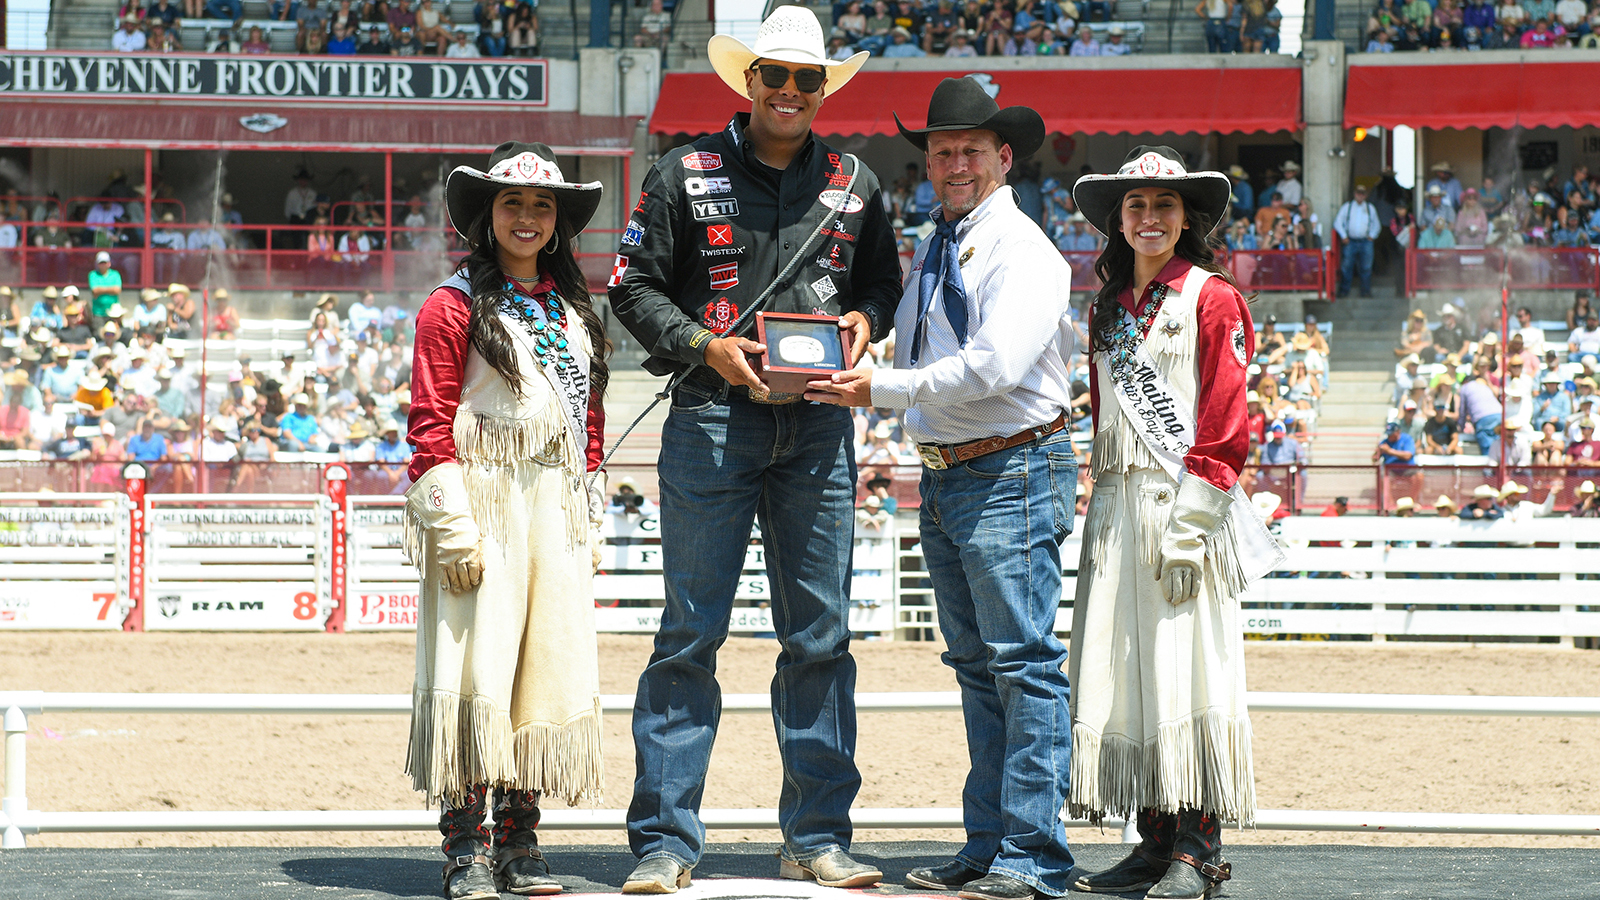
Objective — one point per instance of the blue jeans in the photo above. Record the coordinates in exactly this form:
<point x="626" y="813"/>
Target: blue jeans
<point x="991" y="533"/>
<point x="1483" y="431"/>
<point x="726" y="461"/>
<point x="1358" y="257"/>
<point x="1216" y="35"/>
<point x="231" y="10"/>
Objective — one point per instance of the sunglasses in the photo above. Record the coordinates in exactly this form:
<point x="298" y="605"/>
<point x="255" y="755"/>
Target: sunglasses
<point x="806" y="81"/>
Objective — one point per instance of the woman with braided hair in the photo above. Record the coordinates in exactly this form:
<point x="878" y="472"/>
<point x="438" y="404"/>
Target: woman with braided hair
<point x="502" y="522"/>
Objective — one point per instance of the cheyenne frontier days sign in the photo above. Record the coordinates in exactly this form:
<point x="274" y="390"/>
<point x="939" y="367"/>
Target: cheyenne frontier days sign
<point x="387" y="79"/>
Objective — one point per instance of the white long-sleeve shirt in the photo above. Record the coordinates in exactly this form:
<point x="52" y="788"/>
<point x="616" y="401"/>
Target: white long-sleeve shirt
<point x="1357" y="221"/>
<point x="1013" y="373"/>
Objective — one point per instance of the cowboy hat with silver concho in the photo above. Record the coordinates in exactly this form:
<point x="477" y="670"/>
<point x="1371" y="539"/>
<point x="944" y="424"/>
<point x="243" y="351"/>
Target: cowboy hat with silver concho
<point x="1099" y="196"/>
<point x="961" y="104"/>
<point x="792" y="35"/>
<point x="515" y="164"/>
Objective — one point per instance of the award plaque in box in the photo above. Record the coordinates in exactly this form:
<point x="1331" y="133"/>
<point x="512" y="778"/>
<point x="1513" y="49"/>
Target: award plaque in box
<point x="800" y="348"/>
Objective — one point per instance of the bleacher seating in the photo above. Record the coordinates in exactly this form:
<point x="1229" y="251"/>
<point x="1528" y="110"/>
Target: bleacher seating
<point x="198" y="34"/>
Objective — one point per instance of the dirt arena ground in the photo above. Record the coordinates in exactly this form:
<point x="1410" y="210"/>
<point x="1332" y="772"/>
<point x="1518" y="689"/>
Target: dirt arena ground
<point x="1335" y="762"/>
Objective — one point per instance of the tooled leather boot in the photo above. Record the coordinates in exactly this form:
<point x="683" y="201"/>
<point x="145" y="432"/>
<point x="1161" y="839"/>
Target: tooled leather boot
<point x="519" y="865"/>
<point x="466" y="846"/>
<point x="1143" y="867"/>
<point x="1197" y="865"/>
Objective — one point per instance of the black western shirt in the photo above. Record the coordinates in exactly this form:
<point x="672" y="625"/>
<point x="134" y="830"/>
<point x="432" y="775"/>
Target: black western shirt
<point x="714" y="227"/>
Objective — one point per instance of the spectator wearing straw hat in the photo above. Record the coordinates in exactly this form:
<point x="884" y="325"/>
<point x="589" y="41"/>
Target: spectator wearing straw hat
<point x="1444" y="178"/>
<point x="224" y="318"/>
<point x="180" y="311"/>
<point x="1586" y="502"/>
<point x="129" y="37"/>
<point x="60" y="378"/>
<point x="1444" y="507"/>
<point x="150" y="314"/>
<point x="15" y="417"/>
<point x="300" y="428"/>
<point x="1485" y="505"/>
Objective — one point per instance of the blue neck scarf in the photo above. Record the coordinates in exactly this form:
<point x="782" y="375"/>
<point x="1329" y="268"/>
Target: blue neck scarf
<point x="941" y="273"/>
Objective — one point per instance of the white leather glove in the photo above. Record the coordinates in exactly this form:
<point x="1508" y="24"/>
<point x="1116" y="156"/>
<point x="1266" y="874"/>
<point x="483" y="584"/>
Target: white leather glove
<point x="1197" y="513"/>
<point x="597" y="514"/>
<point x="439" y="501"/>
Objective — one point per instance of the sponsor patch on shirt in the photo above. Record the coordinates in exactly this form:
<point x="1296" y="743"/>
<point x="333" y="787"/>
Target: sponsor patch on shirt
<point x="719" y="315"/>
<point x="841" y="201"/>
<point x="633" y="235"/>
<point x="695" y="186"/>
<point x="619" y="269"/>
<point x="703" y="162"/>
<point x="719" y="235"/>
<point x="724" y="276"/>
<point x="837" y="230"/>
<point x="722" y="251"/>
<point x="824" y="288"/>
<point x="830" y="261"/>
<point x="715" y="209"/>
<point x="1241" y="343"/>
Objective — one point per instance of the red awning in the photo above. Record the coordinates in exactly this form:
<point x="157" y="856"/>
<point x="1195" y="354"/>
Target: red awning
<point x="1472" y="95"/>
<point x="176" y="126"/>
<point x="1092" y="101"/>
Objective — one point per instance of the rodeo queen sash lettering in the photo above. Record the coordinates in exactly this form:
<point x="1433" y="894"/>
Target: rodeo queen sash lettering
<point x="1167" y="426"/>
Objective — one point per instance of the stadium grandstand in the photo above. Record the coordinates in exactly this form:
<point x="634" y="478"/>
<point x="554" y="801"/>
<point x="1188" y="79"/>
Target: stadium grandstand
<point x="217" y="229"/>
<point x="219" y="220"/>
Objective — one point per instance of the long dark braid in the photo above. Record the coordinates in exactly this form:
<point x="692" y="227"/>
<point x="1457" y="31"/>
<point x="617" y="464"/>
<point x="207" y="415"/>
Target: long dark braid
<point x="1115" y="269"/>
<point x="488" y="334"/>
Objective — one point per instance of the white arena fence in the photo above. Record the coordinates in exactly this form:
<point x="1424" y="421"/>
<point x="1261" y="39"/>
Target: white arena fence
<point x="305" y="562"/>
<point x="17" y="820"/>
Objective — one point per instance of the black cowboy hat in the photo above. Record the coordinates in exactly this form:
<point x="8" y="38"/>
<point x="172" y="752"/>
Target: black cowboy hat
<point x="1098" y="196"/>
<point x="961" y="104"/>
<point x="514" y="164"/>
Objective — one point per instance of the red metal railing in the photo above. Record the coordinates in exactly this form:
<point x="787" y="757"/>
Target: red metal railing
<point x="268" y="257"/>
<point x="1254" y="270"/>
<point x="1302" y="490"/>
<point x="1525" y="268"/>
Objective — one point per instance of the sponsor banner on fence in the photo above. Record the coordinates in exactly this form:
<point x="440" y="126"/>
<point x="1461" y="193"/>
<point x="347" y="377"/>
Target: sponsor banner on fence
<point x="63" y="606"/>
<point x="276" y="606"/>
<point x="382" y="608"/>
<point x="246" y="80"/>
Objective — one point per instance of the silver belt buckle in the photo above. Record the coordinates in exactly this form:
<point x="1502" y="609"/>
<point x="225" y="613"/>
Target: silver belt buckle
<point x="931" y="458"/>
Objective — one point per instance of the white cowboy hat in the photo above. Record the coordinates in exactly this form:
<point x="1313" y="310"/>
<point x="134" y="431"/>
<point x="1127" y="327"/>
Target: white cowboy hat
<point x="1098" y="196"/>
<point x="792" y="35"/>
<point x="515" y="164"/>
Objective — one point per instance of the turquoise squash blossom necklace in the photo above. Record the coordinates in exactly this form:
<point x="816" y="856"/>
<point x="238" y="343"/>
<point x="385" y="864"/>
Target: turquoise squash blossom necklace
<point x="549" y="326"/>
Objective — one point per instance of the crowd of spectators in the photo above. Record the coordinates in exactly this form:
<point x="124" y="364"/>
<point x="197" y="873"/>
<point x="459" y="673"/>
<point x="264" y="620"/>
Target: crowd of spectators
<point x="342" y="28"/>
<point x="1549" y="211"/>
<point x="1276" y="215"/>
<point x="910" y="198"/>
<point x="85" y="378"/>
<point x="969" y="28"/>
<point x="909" y="28"/>
<point x="1458" y="391"/>
<point x="1482" y="25"/>
<point x="339" y="235"/>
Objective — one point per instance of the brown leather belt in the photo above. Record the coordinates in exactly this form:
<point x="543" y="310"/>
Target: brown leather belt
<point x="943" y="456"/>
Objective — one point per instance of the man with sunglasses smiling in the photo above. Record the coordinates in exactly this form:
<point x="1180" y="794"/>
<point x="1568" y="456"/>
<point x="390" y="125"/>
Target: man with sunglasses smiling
<point x="717" y="223"/>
